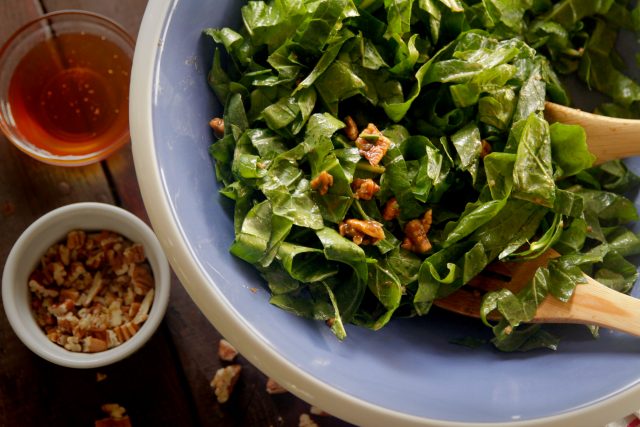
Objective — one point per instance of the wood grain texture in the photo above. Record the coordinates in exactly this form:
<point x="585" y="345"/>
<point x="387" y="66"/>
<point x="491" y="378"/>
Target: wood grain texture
<point x="14" y="16"/>
<point x="166" y="382"/>
<point x="196" y="342"/>
<point x="601" y="131"/>
<point x="593" y="303"/>
<point x="128" y="13"/>
<point x="34" y="392"/>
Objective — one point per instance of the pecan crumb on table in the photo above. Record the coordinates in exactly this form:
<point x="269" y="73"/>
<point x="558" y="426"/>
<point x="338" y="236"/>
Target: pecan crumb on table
<point x="117" y="417"/>
<point x="273" y="387"/>
<point x="306" y="421"/>
<point x="224" y="381"/>
<point x="226" y="351"/>
<point x="314" y="410"/>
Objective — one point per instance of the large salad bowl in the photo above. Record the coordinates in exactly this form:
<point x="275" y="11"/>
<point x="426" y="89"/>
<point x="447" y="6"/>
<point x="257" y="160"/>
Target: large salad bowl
<point x="410" y="372"/>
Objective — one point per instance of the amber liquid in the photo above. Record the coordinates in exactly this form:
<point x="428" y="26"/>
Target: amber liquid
<point x="70" y="95"/>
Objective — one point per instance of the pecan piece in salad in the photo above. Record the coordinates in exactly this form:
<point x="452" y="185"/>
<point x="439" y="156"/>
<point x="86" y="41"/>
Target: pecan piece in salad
<point x="364" y="189"/>
<point x="486" y="149"/>
<point x="217" y="124"/>
<point x="391" y="210"/>
<point x="322" y="182"/>
<point x="361" y="231"/>
<point x="372" y="144"/>
<point x="415" y="232"/>
<point x="351" y="128"/>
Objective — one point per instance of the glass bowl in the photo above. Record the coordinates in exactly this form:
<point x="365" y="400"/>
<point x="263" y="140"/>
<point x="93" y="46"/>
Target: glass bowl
<point x="64" y="87"/>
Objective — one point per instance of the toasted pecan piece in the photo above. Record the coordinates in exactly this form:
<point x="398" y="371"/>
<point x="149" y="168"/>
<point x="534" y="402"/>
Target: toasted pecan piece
<point x="364" y="189"/>
<point x="372" y="144"/>
<point x="322" y="182"/>
<point x="226" y="351"/>
<point x="415" y="231"/>
<point x="351" y="128"/>
<point x="217" y="124"/>
<point x="362" y="231"/>
<point x="391" y="209"/>
<point x="224" y="381"/>
<point x="274" y="388"/>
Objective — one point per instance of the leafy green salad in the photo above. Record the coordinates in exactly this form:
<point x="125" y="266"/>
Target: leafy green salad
<point x="381" y="153"/>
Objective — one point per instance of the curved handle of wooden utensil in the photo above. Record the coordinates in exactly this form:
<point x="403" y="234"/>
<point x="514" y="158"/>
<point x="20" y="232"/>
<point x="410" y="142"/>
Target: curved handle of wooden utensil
<point x="608" y="137"/>
<point x="593" y="303"/>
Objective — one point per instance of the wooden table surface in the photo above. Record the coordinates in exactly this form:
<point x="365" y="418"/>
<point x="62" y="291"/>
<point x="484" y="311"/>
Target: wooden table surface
<point x="166" y="383"/>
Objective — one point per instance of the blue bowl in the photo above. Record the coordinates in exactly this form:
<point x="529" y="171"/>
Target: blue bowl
<point x="408" y="373"/>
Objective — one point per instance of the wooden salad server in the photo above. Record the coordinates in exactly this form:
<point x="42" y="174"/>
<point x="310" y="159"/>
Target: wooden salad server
<point x="592" y="303"/>
<point x="608" y="138"/>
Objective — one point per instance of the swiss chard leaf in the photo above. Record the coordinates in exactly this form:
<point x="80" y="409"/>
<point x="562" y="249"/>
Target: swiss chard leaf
<point x="459" y="88"/>
<point x="569" y="149"/>
<point x="532" y="170"/>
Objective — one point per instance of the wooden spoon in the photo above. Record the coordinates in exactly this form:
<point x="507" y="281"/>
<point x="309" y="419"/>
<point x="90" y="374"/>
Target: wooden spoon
<point x="592" y="303"/>
<point x="608" y="138"/>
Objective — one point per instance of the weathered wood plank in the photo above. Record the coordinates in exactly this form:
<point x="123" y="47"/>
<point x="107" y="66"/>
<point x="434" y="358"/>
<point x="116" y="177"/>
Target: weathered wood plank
<point x="194" y="338"/>
<point x="127" y="13"/>
<point x="13" y="16"/>
<point x="34" y="392"/>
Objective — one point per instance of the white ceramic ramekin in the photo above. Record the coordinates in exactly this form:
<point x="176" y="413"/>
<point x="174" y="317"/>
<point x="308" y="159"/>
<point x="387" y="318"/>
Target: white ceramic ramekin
<point x="53" y="227"/>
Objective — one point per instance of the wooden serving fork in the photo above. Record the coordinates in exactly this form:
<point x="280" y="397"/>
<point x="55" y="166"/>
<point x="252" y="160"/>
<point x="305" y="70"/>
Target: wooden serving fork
<point x="592" y="303"/>
<point x="608" y="138"/>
